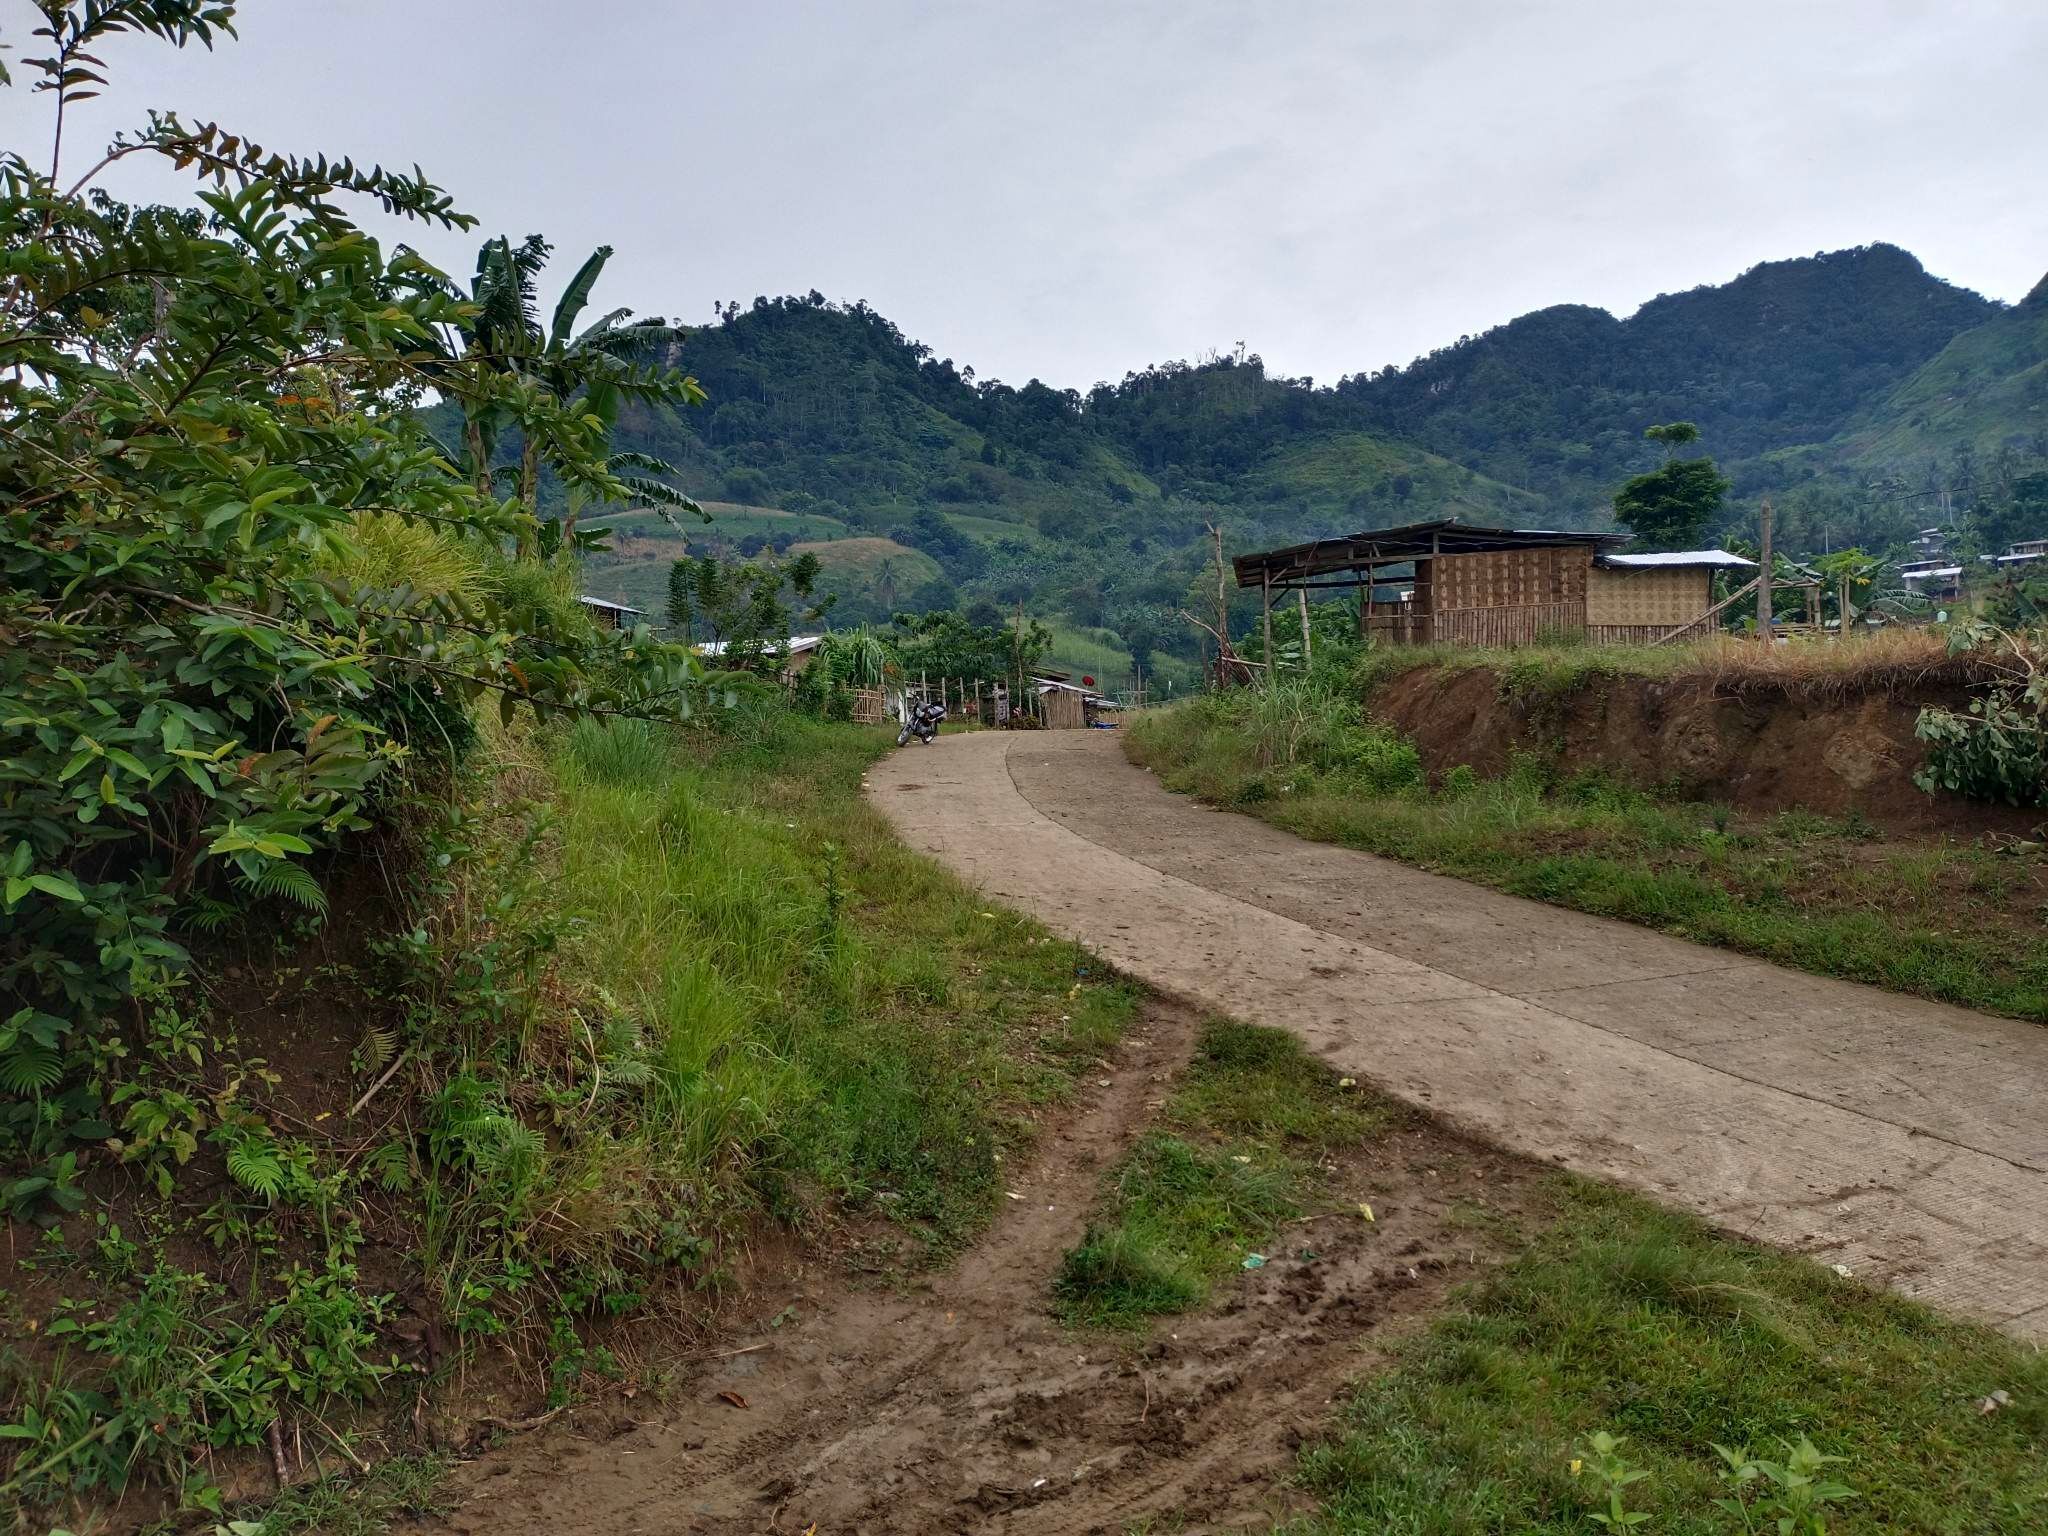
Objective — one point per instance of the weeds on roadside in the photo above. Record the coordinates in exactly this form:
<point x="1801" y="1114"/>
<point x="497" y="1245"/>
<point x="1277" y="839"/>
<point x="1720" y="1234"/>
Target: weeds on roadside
<point x="1245" y="1128"/>
<point x="1640" y="1325"/>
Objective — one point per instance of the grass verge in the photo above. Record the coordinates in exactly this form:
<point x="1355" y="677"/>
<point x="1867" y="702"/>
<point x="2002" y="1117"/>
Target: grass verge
<point x="1235" y="1156"/>
<point x="1955" y="922"/>
<point x="828" y="1021"/>
<point x="1629" y="1320"/>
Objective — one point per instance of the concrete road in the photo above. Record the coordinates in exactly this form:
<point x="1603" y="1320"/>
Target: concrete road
<point x="1902" y="1139"/>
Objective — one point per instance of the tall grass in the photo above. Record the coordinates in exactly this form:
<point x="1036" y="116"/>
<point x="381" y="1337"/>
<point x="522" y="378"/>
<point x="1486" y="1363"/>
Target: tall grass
<point x="823" y="1018"/>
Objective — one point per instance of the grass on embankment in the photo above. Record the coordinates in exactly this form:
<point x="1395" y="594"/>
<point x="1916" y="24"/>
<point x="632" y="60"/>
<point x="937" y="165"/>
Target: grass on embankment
<point x="1234" y="1157"/>
<point x="1632" y="1321"/>
<point x="660" y="986"/>
<point x="830" y="1020"/>
<point x="1957" y="923"/>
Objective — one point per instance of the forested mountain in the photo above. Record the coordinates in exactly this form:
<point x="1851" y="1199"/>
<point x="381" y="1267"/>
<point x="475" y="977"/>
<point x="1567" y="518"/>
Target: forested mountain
<point x="1982" y="395"/>
<point x="1830" y="380"/>
<point x="1784" y="355"/>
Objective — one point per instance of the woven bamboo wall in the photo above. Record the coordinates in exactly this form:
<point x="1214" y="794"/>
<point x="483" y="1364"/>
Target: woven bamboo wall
<point x="1063" y="711"/>
<point x="1523" y="625"/>
<point x="1507" y="596"/>
<point x="1656" y="596"/>
<point x="1510" y="578"/>
<point x="1637" y="634"/>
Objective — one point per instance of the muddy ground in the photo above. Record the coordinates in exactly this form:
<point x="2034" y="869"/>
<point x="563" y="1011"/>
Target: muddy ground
<point x="957" y="1403"/>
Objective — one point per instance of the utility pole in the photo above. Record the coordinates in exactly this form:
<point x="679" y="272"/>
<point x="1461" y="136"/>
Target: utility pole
<point x="1764" y="609"/>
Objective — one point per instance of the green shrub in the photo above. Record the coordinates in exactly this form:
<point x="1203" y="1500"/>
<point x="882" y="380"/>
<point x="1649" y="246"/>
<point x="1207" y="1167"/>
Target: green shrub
<point x="241" y="592"/>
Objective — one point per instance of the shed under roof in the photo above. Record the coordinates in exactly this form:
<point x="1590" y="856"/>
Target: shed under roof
<point x="1297" y="563"/>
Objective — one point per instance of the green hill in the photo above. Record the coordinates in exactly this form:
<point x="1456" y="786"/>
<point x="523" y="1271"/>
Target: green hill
<point x="921" y="485"/>
<point x="1984" y="393"/>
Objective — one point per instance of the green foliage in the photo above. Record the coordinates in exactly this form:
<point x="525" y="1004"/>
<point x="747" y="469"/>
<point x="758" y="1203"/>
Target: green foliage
<point x="1998" y="749"/>
<point x="1637" y="1344"/>
<point x="1674" y="505"/>
<point x="744" y="608"/>
<point x="948" y="644"/>
<point x="180" y="1369"/>
<point x="204" y="675"/>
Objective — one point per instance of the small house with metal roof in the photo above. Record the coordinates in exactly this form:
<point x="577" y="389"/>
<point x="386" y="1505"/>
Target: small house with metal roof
<point x="1463" y="584"/>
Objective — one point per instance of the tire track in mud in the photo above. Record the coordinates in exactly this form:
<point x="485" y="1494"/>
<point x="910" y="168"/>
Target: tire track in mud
<point x="963" y="1405"/>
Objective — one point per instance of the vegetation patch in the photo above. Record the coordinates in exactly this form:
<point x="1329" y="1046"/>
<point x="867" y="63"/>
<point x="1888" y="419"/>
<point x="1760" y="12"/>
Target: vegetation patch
<point x="1633" y="1324"/>
<point x="817" y="1010"/>
<point x="1237" y="1154"/>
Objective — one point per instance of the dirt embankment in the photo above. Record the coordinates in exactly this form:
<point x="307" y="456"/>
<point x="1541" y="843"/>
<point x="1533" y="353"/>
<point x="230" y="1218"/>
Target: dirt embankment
<point x="1762" y="749"/>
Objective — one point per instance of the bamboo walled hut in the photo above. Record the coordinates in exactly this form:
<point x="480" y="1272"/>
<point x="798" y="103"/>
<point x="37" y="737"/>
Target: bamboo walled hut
<point x="1453" y="583"/>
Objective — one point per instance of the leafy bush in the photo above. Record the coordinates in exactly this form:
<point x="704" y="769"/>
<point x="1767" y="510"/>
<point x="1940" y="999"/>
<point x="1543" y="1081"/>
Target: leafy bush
<point x="1998" y="749"/>
<point x="219" y="623"/>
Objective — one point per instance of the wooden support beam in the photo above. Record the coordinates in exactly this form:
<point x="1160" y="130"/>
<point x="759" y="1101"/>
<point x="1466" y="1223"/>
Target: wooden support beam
<point x="1307" y="645"/>
<point x="1266" y="620"/>
<point x="1727" y="602"/>
<point x="1765" y="612"/>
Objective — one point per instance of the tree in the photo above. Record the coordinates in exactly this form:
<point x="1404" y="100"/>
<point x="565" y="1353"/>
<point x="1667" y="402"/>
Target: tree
<point x="1674" y="505"/>
<point x="1674" y="435"/>
<point x="506" y="374"/>
<point x="202" y="425"/>
<point x="681" y="598"/>
<point x="747" y="607"/>
<point x="946" y="644"/>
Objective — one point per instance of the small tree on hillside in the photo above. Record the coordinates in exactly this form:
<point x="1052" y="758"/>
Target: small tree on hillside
<point x="1674" y="505"/>
<point x="748" y="608"/>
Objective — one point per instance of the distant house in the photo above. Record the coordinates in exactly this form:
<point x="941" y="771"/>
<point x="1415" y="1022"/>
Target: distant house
<point x="607" y="615"/>
<point x="1470" y="585"/>
<point x="795" y="653"/>
<point x="1936" y="579"/>
<point x="1063" y="706"/>
<point x="1930" y="544"/>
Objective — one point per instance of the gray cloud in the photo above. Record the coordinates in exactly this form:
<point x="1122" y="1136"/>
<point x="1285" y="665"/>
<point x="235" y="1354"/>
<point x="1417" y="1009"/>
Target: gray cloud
<point x="1072" y="190"/>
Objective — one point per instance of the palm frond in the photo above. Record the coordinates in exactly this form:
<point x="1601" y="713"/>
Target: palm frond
<point x="577" y="294"/>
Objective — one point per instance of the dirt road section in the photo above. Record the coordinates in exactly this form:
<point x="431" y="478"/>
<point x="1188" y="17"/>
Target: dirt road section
<point x="962" y="1405"/>
<point x="1899" y="1138"/>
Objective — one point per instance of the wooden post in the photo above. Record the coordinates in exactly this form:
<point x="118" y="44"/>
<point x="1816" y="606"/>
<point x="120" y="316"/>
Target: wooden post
<point x="1764" y="609"/>
<point x="1306" y="645"/>
<point x="1266" y="619"/>
<point x="1222" y="601"/>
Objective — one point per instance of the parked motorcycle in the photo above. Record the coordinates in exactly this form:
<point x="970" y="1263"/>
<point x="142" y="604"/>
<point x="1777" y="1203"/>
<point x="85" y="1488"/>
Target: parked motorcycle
<point x="923" y="724"/>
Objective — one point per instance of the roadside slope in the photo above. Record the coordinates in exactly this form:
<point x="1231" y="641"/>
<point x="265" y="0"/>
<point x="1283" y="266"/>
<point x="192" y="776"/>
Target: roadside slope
<point x="1892" y="1136"/>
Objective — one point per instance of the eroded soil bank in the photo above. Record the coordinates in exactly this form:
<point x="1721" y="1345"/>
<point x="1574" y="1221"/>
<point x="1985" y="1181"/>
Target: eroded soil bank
<point x="1762" y="748"/>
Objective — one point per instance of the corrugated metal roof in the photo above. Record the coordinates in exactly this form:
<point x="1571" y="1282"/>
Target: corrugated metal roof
<point x="608" y="606"/>
<point x="795" y="645"/>
<point x="1714" y="557"/>
<point x="1380" y="546"/>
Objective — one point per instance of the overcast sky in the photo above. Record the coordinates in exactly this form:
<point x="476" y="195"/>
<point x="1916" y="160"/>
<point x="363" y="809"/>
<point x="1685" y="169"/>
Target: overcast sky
<point x="1075" y="190"/>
